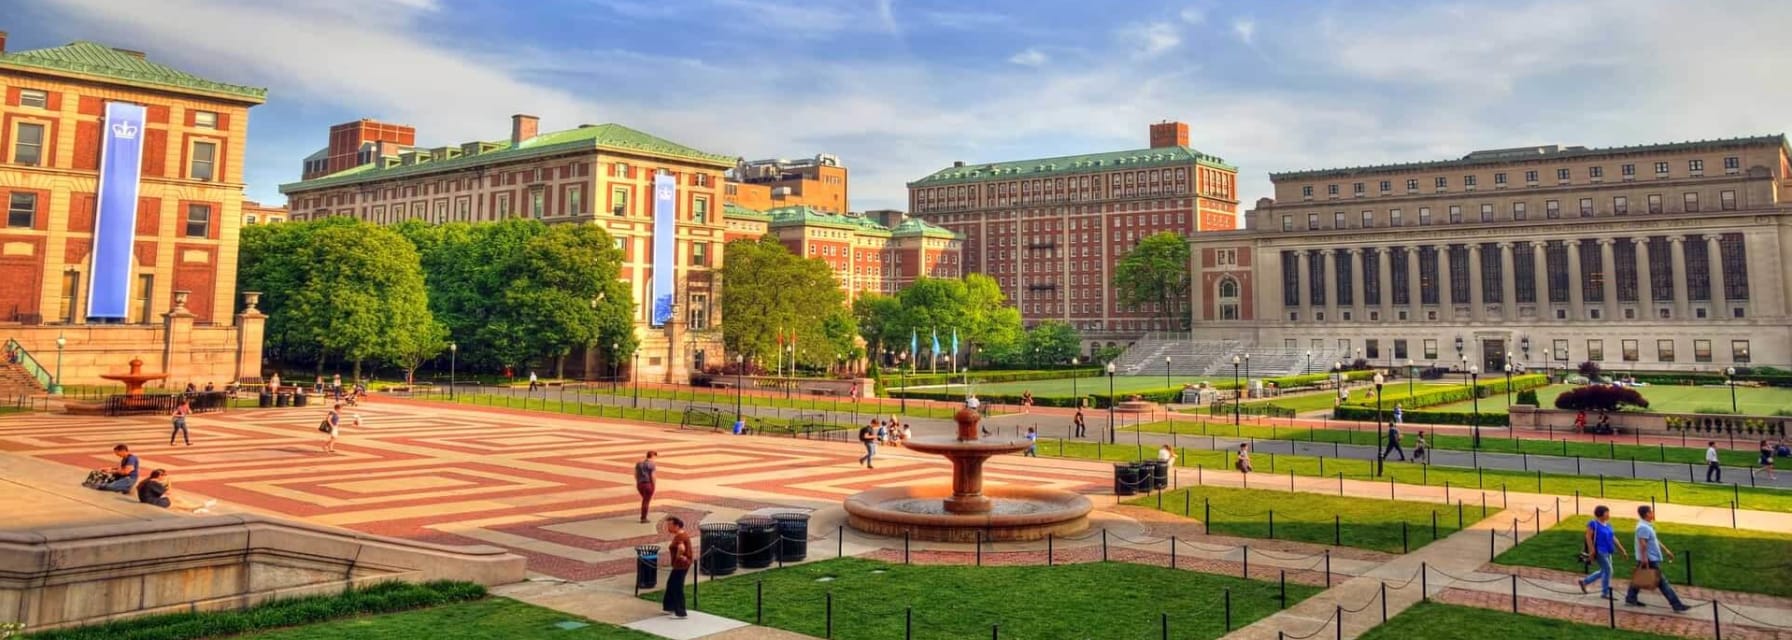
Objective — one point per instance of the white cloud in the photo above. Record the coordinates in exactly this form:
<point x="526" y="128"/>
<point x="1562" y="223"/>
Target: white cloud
<point x="1032" y="57"/>
<point x="1192" y="15"/>
<point x="965" y="20"/>
<point x="1151" y="39"/>
<point x="1245" y="29"/>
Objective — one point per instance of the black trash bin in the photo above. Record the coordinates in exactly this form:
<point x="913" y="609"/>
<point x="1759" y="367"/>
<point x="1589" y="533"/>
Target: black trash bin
<point x="716" y="557"/>
<point x="282" y="399"/>
<point x="793" y="536"/>
<point x="1126" y="478"/>
<point x="264" y="399"/>
<point x="1160" y="471"/>
<point x="300" y="399"/>
<point x="647" y="566"/>
<point x="758" y="542"/>
<point x="1147" y="475"/>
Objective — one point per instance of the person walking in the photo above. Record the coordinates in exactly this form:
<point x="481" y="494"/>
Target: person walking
<point x="681" y="555"/>
<point x="1393" y="443"/>
<point x="868" y="436"/>
<point x="332" y="425"/>
<point x="533" y="382"/>
<point x="181" y="411"/>
<point x="1766" y="461"/>
<point x="1399" y="414"/>
<point x="644" y="481"/>
<point x="1714" y="472"/>
<point x="1420" y="450"/>
<point x="1032" y="442"/>
<point x="1649" y="554"/>
<point x="1244" y="458"/>
<point x="1026" y="401"/>
<point x="1601" y="543"/>
<point x="1082" y="427"/>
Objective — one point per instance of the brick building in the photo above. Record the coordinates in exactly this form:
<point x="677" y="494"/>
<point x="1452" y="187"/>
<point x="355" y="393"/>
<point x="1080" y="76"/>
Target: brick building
<point x="819" y="182"/>
<point x="353" y="144"/>
<point x="592" y="174"/>
<point x="867" y="256"/>
<point x="258" y="213"/>
<point x="1050" y="230"/>
<point x="181" y="268"/>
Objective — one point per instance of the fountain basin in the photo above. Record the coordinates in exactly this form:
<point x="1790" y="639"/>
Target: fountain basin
<point x="1015" y="513"/>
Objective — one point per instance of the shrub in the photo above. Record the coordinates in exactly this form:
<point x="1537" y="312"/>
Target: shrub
<point x="384" y="597"/>
<point x="1528" y="396"/>
<point x="1361" y="414"/>
<point x="1722" y="411"/>
<point x="1601" y="397"/>
<point x="1590" y="369"/>
<point x="1429" y="398"/>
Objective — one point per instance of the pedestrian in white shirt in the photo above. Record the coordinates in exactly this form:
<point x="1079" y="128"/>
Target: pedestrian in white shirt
<point x="1714" y="472"/>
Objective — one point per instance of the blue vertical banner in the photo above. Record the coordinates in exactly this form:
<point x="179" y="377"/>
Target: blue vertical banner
<point x="121" y="163"/>
<point x="665" y="247"/>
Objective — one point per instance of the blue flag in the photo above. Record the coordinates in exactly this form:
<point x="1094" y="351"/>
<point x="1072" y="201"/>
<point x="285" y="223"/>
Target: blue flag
<point x="954" y="342"/>
<point x="914" y="343"/>
<point x="936" y="342"/>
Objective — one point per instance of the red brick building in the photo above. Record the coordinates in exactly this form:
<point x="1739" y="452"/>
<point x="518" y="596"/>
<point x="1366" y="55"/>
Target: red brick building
<point x="1050" y="230"/>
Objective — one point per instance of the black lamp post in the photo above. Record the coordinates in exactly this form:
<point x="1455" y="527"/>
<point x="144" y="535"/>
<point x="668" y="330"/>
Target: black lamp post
<point x="1412" y="371"/>
<point x="634" y="378"/>
<point x="1730" y="380"/>
<point x="1073" y="376"/>
<point x="1235" y="390"/>
<point x="740" y="377"/>
<point x="615" y="368"/>
<point x="1508" y="384"/>
<point x="789" y="354"/>
<point x="1166" y="372"/>
<point x="902" y="375"/>
<point x="454" y="350"/>
<point x="1380" y="450"/>
<point x="1247" y="369"/>
<point x="1309" y="368"/>
<point x="1474" y="377"/>
<point x="1110" y="402"/>
<point x="56" y="383"/>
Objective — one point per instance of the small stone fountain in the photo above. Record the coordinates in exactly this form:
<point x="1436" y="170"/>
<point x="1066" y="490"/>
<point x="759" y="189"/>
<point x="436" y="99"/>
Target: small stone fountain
<point x="960" y="511"/>
<point x="134" y="381"/>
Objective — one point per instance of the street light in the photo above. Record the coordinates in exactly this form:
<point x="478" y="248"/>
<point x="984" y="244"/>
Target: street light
<point x="902" y="375"/>
<point x="615" y="367"/>
<point x="634" y="378"/>
<point x="1309" y="367"/>
<point x="1167" y="371"/>
<point x="1729" y="379"/>
<point x="1411" y="372"/>
<point x="56" y="383"/>
<point x="790" y="354"/>
<point x="1508" y="385"/>
<point x="1110" y="402"/>
<point x="453" y="351"/>
<point x="1381" y="451"/>
<point x="1474" y="377"/>
<point x="1073" y="377"/>
<point x="740" y="372"/>
<point x="1247" y="369"/>
<point x="1235" y="389"/>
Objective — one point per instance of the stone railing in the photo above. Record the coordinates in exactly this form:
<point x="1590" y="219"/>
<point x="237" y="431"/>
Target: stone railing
<point x="1693" y="425"/>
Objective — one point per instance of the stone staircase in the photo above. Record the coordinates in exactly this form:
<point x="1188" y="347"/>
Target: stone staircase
<point x="15" y="382"/>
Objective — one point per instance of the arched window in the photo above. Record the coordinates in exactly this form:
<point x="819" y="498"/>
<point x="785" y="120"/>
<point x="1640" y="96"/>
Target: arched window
<point x="1228" y="299"/>
<point x="1228" y="288"/>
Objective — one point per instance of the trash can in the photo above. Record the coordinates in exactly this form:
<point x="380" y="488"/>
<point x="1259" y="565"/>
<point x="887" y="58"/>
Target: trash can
<point x="793" y="536"/>
<point x="647" y="566"/>
<point x="1126" y="478"/>
<point x="1161" y="473"/>
<point x="300" y="399"/>
<point x="1147" y="475"/>
<point x="716" y="557"/>
<point x="758" y="542"/>
<point x="264" y="399"/>
<point x="282" y="399"/>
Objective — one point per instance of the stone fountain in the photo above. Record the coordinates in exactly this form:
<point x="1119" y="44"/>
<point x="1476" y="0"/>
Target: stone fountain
<point x="134" y="381"/>
<point x="960" y="511"/>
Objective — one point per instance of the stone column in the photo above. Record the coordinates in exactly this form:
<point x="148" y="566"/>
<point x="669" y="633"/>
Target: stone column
<point x="1540" y="274"/>
<point x="1508" y="284"/>
<point x="1477" y="299"/>
<point x="1303" y="284"/>
<point x="1385" y="274"/>
<point x="1446" y="286"/>
<point x="1577" y="300"/>
<point x="1358" y="286"/>
<point x="1720" y="307"/>
<point x="1645" y="281"/>
<point x="177" y="333"/>
<point x="1415" y="289"/>
<point x="1677" y="266"/>
<point x="1608" y="266"/>
<point x="250" y="326"/>
<point x="1331" y="283"/>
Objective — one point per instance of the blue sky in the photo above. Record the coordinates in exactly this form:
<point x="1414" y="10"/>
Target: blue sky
<point x="900" y="88"/>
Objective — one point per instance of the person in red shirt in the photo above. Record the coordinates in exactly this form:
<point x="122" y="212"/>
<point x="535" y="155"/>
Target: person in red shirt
<point x="644" y="482"/>
<point x="680" y="554"/>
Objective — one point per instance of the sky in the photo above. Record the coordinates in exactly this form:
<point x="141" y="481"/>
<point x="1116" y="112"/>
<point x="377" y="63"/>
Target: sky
<point x="899" y="89"/>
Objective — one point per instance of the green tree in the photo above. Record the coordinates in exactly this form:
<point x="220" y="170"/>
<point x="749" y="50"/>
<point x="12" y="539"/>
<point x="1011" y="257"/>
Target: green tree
<point x="1050" y="342"/>
<point x="973" y="305"/>
<point x="1156" y="273"/>
<point x="770" y="294"/>
<point x="877" y="316"/>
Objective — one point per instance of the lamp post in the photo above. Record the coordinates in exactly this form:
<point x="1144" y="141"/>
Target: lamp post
<point x="1073" y="376"/>
<point x="634" y="378"/>
<point x="615" y="368"/>
<point x="1166" y="371"/>
<point x="1411" y="372"/>
<point x="1474" y="377"/>
<point x="789" y="355"/>
<point x="56" y="382"/>
<point x="1309" y="367"/>
<point x="1111" y="402"/>
<point x="1508" y="385"/>
<point x="1247" y="369"/>
<point x="1380" y="451"/>
<point x="453" y="351"/>
<point x="1235" y="390"/>
<point x="902" y="375"/>
<point x="1729" y="380"/>
<point x="740" y="375"/>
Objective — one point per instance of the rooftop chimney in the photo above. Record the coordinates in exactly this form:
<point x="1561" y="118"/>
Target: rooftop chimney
<point x="957" y="163"/>
<point x="130" y="52"/>
<point x="2" y="42"/>
<point x="522" y="127"/>
<point x="1169" y="134"/>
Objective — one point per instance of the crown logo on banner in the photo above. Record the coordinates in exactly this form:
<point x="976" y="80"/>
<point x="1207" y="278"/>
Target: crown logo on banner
<point x="124" y="131"/>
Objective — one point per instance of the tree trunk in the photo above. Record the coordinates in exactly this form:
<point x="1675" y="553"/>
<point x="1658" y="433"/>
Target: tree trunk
<point x="560" y="367"/>
<point x="357" y="369"/>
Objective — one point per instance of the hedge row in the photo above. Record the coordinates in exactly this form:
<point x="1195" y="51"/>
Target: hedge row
<point x="1423" y="417"/>
<point x="1433" y="398"/>
<point x="888" y="379"/>
<point x="385" y="597"/>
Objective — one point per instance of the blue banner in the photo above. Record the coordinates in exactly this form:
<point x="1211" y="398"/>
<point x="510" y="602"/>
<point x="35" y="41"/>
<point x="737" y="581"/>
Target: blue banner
<point x="665" y="248"/>
<point x="121" y="159"/>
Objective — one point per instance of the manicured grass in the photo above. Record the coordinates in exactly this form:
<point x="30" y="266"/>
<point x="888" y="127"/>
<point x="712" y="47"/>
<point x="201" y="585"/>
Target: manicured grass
<point x="1433" y="621"/>
<point x="1491" y="441"/>
<point x="1268" y="467"/>
<point x="1104" y="600"/>
<point x="802" y="402"/>
<point x="491" y="618"/>
<point x="376" y="599"/>
<point x="1754" y="401"/>
<point x="1728" y="559"/>
<point x="667" y="416"/>
<point x="1363" y="523"/>
<point x="1064" y="387"/>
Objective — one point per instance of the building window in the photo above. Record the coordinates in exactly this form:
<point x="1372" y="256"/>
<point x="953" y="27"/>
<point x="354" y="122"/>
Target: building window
<point x="21" y="210"/>
<point x="140" y="303"/>
<point x="1530" y="177"/>
<point x="203" y="161"/>
<point x="1412" y="184"/>
<point x="1428" y="275"/>
<point x="1664" y="350"/>
<point x="1386" y="186"/>
<point x="461" y="210"/>
<point x="1552" y="209"/>
<point x="1518" y="212"/>
<point x="1739" y="351"/>
<point x="1430" y="348"/>
<point x="1316" y="279"/>
<point x="537" y="201"/>
<point x="249" y="220"/>
<point x="1346" y="277"/>
<point x="699" y="315"/>
<point x="1459" y="274"/>
<point x="1358" y="188"/>
<point x="28" y="144"/>
<point x="575" y="200"/>
<point x="1306" y="191"/>
<point x="1624" y="270"/>
<point x="1290" y="279"/>
<point x="1468" y="181"/>
<point x="1555" y="264"/>
<point x="199" y="220"/>
<point x="1562" y="175"/>
<point x="205" y="119"/>
<point x="1593" y="274"/>
<point x="34" y="98"/>
<point x="503" y="205"/>
<point x="1368" y="219"/>
<point x="1690" y="200"/>
<point x="619" y="170"/>
<point x="700" y="210"/>
<point x="1661" y="168"/>
<point x="1393" y="217"/>
<point x="1287" y="223"/>
<point x="1654" y="203"/>
<point x="1627" y="171"/>
<point x="1596" y="350"/>
<point x="1629" y="350"/>
<point x="441" y="211"/>
<point x="1338" y="220"/>
<point x="1499" y="179"/>
<point x="1331" y="189"/>
<point x="1441" y="182"/>
<point x="1312" y="222"/>
<point x="1726" y="200"/>
<point x="1524" y="273"/>
<point x="1701" y="351"/>
<point x="1595" y="172"/>
<point x="619" y="204"/>
<point x="1620" y="205"/>
<point x="1735" y="265"/>
<point x="1487" y="213"/>
<point x="1560" y="349"/>
<point x="700" y="254"/>
<point x="1424" y="216"/>
<point x="1401" y="293"/>
<point x="1696" y="166"/>
<point x="1455" y="214"/>
<point x="1732" y="163"/>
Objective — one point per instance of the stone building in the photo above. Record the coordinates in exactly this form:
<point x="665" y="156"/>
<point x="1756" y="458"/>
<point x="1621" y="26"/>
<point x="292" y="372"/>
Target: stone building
<point x="1656" y="256"/>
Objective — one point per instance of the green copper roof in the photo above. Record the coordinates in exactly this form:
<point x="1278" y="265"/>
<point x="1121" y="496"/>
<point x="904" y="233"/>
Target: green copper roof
<point x="731" y="210"/>
<point x="919" y="227"/>
<point x="1071" y="165"/>
<point x="94" y="59"/>
<point x="1540" y="152"/>
<point x="600" y="137"/>
<point x="804" y="215"/>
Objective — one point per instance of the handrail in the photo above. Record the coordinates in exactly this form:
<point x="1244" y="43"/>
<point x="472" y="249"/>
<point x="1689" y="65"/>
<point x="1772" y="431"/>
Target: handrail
<point x="16" y="354"/>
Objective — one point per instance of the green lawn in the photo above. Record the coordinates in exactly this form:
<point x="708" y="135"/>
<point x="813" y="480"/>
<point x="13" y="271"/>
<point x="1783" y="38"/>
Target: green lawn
<point x="1066" y="387"/>
<point x="1728" y="559"/>
<point x="1269" y="467"/>
<point x="795" y="401"/>
<point x="674" y="416"/>
<point x="489" y="618"/>
<point x="1490" y="441"/>
<point x="1755" y="401"/>
<point x="1433" y="621"/>
<point x="1107" y="600"/>
<point x="1308" y="517"/>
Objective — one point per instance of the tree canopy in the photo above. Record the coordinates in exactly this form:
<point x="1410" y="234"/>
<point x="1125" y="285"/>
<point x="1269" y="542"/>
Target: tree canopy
<point x="1156" y="272"/>
<point x="1600" y="397"/>
<point x="771" y="296"/>
<point x="974" y="306"/>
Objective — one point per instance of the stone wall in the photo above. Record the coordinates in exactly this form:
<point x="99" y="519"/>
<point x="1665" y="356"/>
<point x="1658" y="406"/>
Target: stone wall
<point x="186" y="351"/>
<point x="1692" y="425"/>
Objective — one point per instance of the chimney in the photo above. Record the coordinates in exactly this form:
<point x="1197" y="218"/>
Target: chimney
<point x="1169" y="134"/>
<point x="957" y="163"/>
<point x="522" y="127"/>
<point x="379" y="151"/>
<point x="130" y="52"/>
<point x="2" y="42"/>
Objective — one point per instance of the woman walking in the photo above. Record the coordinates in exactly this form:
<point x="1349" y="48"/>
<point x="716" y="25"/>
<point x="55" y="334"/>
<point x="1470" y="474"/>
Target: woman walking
<point x="680" y="551"/>
<point x="331" y="427"/>
<point x="181" y="411"/>
<point x="1766" y="461"/>
<point x="1244" y="458"/>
